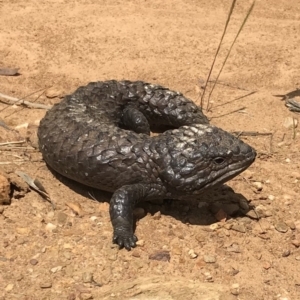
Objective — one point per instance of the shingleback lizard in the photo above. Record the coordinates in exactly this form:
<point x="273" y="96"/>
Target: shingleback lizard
<point x="99" y="136"/>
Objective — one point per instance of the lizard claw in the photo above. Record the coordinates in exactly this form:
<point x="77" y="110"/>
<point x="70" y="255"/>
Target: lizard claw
<point x="125" y="240"/>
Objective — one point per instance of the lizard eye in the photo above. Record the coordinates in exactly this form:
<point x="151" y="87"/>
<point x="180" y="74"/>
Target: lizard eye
<point x="218" y="160"/>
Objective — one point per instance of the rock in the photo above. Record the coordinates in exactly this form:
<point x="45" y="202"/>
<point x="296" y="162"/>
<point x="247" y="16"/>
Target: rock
<point x="4" y="190"/>
<point x="9" y="287"/>
<point x="200" y="237"/>
<point x="281" y="227"/>
<point x="68" y="246"/>
<point x="208" y="277"/>
<point x="140" y="243"/>
<point x="56" y="269"/>
<point x="239" y="227"/>
<point x="157" y="216"/>
<point x="266" y="265"/>
<point x="210" y="259"/>
<point x="87" y="277"/>
<point x="296" y="243"/>
<point x="296" y="175"/>
<point x="53" y="93"/>
<point x="33" y="262"/>
<point x="50" y="227"/>
<point x="160" y="255"/>
<point x="252" y="214"/>
<point x="45" y="284"/>
<point x="214" y="226"/>
<point x="287" y="160"/>
<point x="291" y="224"/>
<point x="271" y="197"/>
<point x="286" y="253"/>
<point x="85" y="296"/>
<point x="93" y="218"/>
<point x="258" y="185"/>
<point x="234" y="248"/>
<point x="262" y="211"/>
<point x="235" y="289"/>
<point x="192" y="254"/>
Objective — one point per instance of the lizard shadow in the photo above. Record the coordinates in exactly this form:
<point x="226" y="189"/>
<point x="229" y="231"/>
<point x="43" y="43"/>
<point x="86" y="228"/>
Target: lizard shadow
<point x="207" y="209"/>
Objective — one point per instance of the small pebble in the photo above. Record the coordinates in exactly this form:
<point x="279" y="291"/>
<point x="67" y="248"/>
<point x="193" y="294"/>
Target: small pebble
<point x="87" y="277"/>
<point x="235" y="289"/>
<point x="19" y="277"/>
<point x="56" y="269"/>
<point x="239" y="227"/>
<point x="157" y="216"/>
<point x="291" y="224"/>
<point x="45" y="284"/>
<point x="234" y="248"/>
<point x="9" y="287"/>
<point x="33" y="262"/>
<point x="262" y="211"/>
<point x="281" y="227"/>
<point x="86" y="296"/>
<point x="297" y="257"/>
<point x="271" y="197"/>
<point x="160" y="255"/>
<point x="214" y="226"/>
<point x="296" y="243"/>
<point x="140" y="243"/>
<point x="192" y="254"/>
<point x="258" y="185"/>
<point x="287" y="160"/>
<point x="68" y="246"/>
<point x="267" y="265"/>
<point x="208" y="277"/>
<point x="53" y="93"/>
<point x="286" y="253"/>
<point x="200" y="237"/>
<point x="50" y="227"/>
<point x="209" y="259"/>
<point x="93" y="218"/>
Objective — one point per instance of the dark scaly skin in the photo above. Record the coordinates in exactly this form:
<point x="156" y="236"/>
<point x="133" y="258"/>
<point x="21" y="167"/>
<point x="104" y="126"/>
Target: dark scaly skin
<point x="84" y="138"/>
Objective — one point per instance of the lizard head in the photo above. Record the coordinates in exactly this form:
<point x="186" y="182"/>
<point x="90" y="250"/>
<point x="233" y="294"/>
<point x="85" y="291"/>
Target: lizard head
<point x="200" y="156"/>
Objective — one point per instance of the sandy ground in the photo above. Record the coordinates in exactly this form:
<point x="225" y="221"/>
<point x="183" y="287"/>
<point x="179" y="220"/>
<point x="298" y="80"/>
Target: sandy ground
<point x="185" y="251"/>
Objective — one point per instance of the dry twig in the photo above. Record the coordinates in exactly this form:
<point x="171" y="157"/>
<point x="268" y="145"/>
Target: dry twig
<point x="21" y="102"/>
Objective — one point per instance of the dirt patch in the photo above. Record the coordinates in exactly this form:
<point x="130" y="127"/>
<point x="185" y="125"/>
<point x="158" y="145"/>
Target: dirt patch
<point x="67" y="254"/>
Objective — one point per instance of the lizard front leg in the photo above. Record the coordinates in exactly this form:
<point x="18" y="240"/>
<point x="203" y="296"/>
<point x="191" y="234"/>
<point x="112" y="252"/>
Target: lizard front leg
<point x="121" y="210"/>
